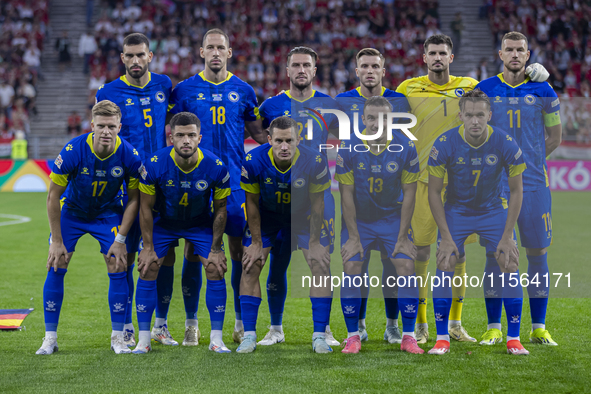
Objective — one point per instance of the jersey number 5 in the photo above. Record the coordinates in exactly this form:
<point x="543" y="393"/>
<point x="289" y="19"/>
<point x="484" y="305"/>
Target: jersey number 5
<point x="148" y="117"/>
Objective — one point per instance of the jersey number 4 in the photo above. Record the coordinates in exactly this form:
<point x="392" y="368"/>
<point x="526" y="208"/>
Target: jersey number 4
<point x="184" y="200"/>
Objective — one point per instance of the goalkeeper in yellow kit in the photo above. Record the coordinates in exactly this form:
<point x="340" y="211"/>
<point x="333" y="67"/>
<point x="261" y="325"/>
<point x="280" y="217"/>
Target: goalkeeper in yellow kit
<point x="434" y="100"/>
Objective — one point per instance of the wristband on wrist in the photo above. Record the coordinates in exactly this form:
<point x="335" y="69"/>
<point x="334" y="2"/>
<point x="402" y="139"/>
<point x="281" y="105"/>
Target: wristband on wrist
<point x="120" y="238"/>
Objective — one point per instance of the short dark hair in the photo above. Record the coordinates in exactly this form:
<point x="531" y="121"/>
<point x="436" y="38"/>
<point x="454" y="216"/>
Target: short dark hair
<point x="215" y="31"/>
<point x="377" y="101"/>
<point x="185" y="119"/>
<point x="283" y="123"/>
<point x="304" y="51"/>
<point x="136" y="39"/>
<point x="474" y="96"/>
<point x="514" y="36"/>
<point x="370" y="52"/>
<point x="437" y="39"/>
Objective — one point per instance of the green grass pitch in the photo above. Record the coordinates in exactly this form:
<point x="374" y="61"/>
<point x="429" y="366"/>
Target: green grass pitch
<point x="84" y="362"/>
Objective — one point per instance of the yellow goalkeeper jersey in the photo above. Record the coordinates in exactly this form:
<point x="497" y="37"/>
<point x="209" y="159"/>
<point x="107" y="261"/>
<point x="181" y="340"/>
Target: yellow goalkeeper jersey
<point x="436" y="108"/>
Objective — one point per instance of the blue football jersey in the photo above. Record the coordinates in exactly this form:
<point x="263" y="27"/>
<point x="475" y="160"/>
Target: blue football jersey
<point x="143" y="110"/>
<point x="285" y="193"/>
<point x="524" y="111"/>
<point x="352" y="103"/>
<point x="475" y="174"/>
<point x="378" y="178"/>
<point x="302" y="112"/>
<point x="183" y="199"/>
<point x="93" y="184"/>
<point x="223" y="108"/>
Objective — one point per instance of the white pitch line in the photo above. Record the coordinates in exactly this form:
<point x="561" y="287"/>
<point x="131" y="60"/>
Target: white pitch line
<point x="16" y="219"/>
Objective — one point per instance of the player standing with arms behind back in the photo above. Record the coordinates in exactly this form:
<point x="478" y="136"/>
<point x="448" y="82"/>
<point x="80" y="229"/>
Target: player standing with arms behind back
<point x="225" y="105"/>
<point x="142" y="97"/>
<point x="528" y="111"/>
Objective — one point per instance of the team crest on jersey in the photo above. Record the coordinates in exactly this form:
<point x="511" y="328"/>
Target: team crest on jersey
<point x="392" y="167"/>
<point x="361" y="166"/>
<point x="529" y="99"/>
<point x="216" y="97"/>
<point x="268" y="181"/>
<point x="185" y="185"/>
<point x="498" y="99"/>
<point x="434" y="153"/>
<point x="340" y="161"/>
<point x="460" y="160"/>
<point x="491" y="159"/>
<point x="200" y="96"/>
<point x="170" y="183"/>
<point x="160" y="97"/>
<point x="476" y="161"/>
<point x="459" y="92"/>
<point x="281" y="185"/>
<point x="244" y="173"/>
<point x="58" y="161"/>
<point x="101" y="173"/>
<point x="233" y="97"/>
<point x="201" y="185"/>
<point x="144" y="101"/>
<point x="376" y="168"/>
<point x="513" y="100"/>
<point x="129" y="102"/>
<point x="117" y="171"/>
<point x="300" y="182"/>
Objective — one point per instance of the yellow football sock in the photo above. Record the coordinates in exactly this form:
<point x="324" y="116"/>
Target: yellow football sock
<point x="458" y="294"/>
<point x="421" y="270"/>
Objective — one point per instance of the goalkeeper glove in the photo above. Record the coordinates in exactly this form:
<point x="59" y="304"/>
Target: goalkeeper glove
<point x="536" y="72"/>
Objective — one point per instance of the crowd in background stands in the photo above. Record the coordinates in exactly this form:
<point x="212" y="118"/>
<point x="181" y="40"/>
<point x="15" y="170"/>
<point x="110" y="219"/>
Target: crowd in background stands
<point x="23" y="27"/>
<point x="558" y="33"/>
<point x="262" y="32"/>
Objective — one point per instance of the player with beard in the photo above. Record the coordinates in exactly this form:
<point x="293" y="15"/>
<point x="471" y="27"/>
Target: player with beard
<point x="142" y="97"/>
<point x="370" y="71"/>
<point x="434" y="99"/>
<point x="225" y="105"/>
<point x="182" y="183"/>
<point x="301" y="70"/>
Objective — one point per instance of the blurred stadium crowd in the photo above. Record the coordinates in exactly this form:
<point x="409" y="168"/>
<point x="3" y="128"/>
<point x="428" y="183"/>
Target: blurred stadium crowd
<point x="263" y="31"/>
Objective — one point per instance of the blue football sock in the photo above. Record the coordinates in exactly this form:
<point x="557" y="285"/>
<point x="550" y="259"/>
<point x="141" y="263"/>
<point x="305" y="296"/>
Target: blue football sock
<point x="191" y="282"/>
<point x="350" y="301"/>
<point x="408" y="299"/>
<point x="215" y="299"/>
<point x="235" y="279"/>
<point x="538" y="292"/>
<point x="145" y="300"/>
<point x="320" y="313"/>
<point x="493" y="291"/>
<point x="513" y="300"/>
<point x="53" y="296"/>
<point x="389" y="293"/>
<point x="277" y="282"/>
<point x="118" y="297"/>
<point x="250" y="311"/>
<point x="442" y="301"/>
<point x="164" y="285"/>
<point x="130" y="289"/>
